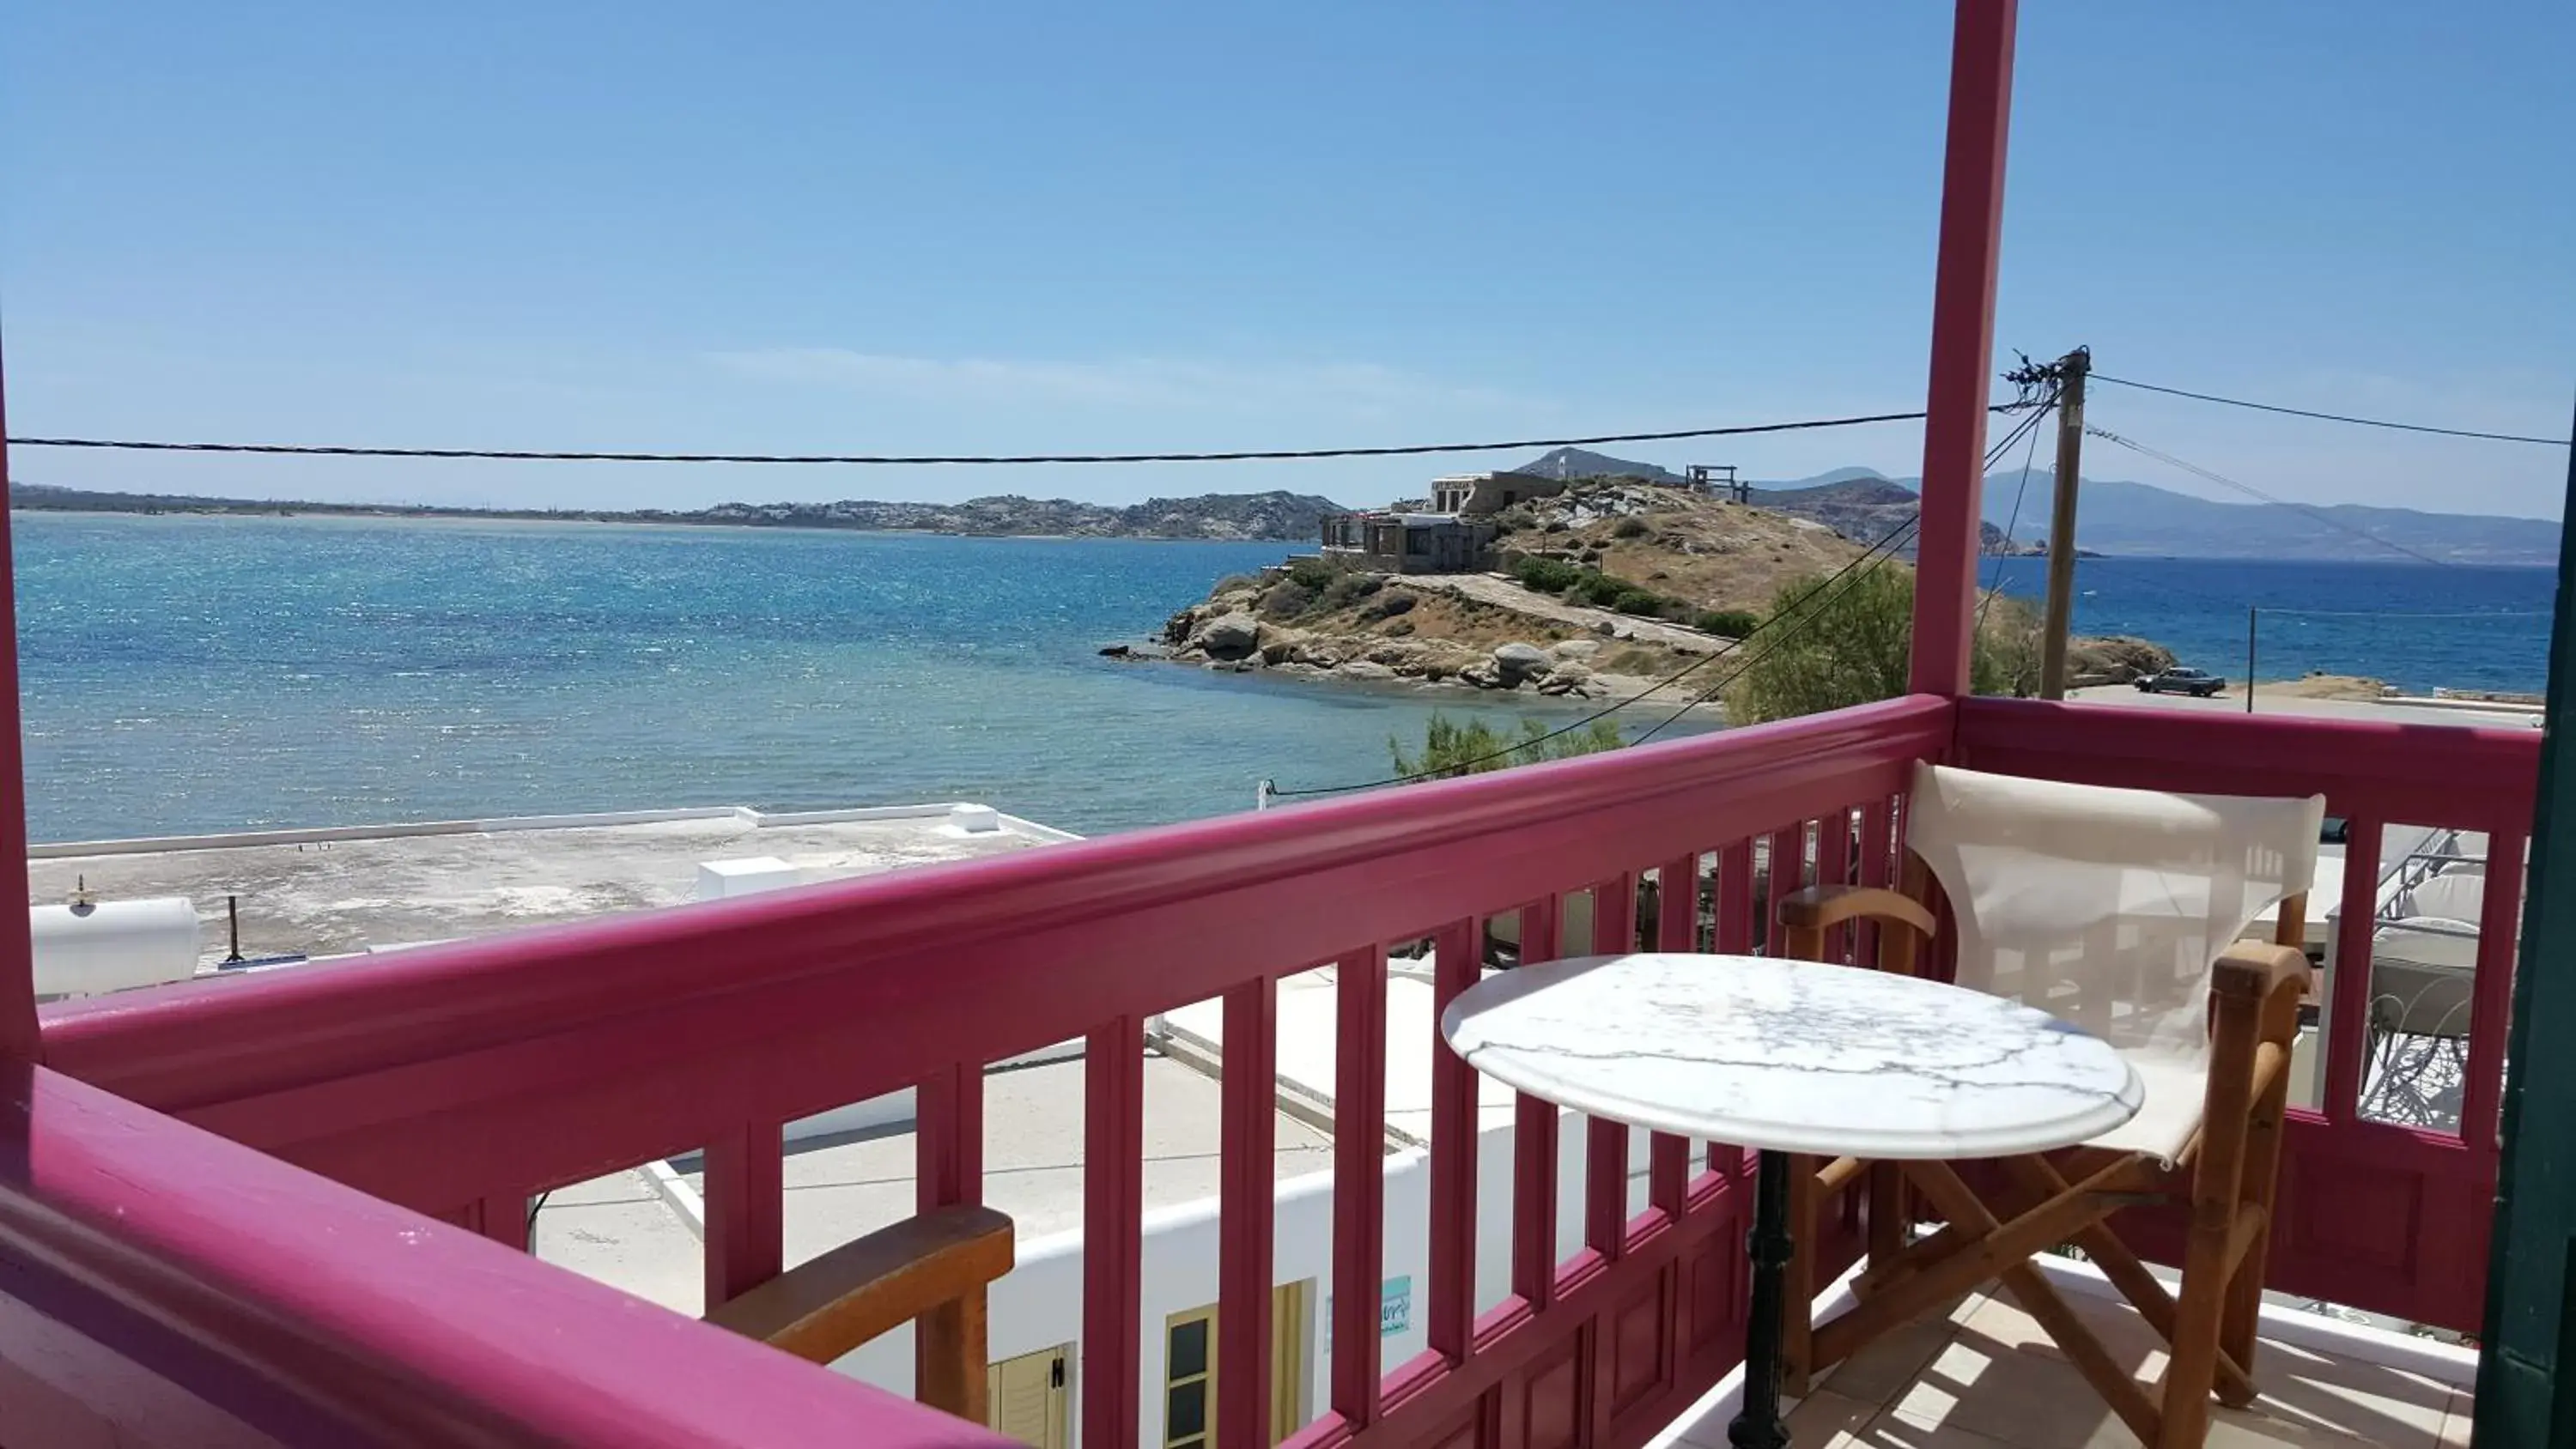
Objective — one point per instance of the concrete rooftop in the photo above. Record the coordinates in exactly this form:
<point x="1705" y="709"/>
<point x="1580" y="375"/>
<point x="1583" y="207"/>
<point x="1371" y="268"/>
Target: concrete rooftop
<point x="632" y="1233"/>
<point x="328" y="892"/>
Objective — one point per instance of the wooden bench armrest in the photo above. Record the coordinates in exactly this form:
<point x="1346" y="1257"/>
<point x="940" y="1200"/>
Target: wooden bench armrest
<point x="822" y="1309"/>
<point x="1818" y="906"/>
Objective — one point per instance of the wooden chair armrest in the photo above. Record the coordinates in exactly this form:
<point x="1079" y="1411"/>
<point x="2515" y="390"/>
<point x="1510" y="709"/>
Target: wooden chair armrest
<point x="1819" y="906"/>
<point x="822" y="1309"/>
<point x="2257" y="969"/>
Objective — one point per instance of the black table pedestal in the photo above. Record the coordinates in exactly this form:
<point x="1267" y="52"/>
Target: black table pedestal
<point x="1757" y="1425"/>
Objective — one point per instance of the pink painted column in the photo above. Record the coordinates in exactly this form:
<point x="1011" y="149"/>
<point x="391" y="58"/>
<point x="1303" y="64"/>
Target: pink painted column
<point x="1963" y="344"/>
<point x="17" y="953"/>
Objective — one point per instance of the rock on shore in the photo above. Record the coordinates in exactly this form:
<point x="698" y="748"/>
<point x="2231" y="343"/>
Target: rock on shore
<point x="1368" y="638"/>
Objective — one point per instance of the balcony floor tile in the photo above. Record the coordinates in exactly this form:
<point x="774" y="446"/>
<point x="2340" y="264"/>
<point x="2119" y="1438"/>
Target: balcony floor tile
<point x="1985" y="1377"/>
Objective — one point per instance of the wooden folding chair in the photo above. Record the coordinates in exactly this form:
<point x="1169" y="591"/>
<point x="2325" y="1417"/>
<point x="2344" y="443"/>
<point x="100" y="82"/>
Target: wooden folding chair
<point x="2117" y="910"/>
<point x="932" y="1270"/>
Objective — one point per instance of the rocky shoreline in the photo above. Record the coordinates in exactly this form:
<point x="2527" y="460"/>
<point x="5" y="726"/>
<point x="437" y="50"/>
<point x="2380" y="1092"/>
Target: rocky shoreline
<point x="1391" y="629"/>
<point x="1430" y="631"/>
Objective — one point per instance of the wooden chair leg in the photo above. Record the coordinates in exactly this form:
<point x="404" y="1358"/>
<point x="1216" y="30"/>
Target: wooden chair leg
<point x="1798" y="1292"/>
<point x="1887" y="1213"/>
<point x="2241" y="1320"/>
<point x="2145" y="1292"/>
<point x="948" y="1358"/>
<point x="2041" y="1301"/>
<point x="2218" y="1181"/>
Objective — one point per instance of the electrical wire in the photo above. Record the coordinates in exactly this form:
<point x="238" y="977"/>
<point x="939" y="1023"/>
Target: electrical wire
<point x="2238" y="402"/>
<point x="2012" y="524"/>
<point x="1803" y="608"/>
<point x="973" y="460"/>
<point x="2251" y="491"/>
<point x="1818" y="597"/>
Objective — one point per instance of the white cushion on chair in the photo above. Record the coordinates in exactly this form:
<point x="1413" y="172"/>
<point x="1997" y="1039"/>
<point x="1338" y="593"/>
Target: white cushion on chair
<point x="2109" y="908"/>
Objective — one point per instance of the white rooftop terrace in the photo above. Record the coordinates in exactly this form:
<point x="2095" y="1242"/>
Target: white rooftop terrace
<point x="338" y="891"/>
<point x="642" y="1230"/>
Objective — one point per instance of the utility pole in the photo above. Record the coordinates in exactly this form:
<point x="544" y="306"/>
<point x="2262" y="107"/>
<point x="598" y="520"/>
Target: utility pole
<point x="2253" y="621"/>
<point x="2061" y="521"/>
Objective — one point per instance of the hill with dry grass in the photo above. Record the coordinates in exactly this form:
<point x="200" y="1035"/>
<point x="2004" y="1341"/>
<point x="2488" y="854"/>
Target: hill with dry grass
<point x="1600" y="590"/>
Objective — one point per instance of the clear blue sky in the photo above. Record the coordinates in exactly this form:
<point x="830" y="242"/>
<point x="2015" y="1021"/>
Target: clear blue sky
<point x="1010" y="227"/>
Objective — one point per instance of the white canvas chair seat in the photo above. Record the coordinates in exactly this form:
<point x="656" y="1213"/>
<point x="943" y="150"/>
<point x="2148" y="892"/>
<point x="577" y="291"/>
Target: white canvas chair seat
<point x="2110" y="908"/>
<point x="2120" y="912"/>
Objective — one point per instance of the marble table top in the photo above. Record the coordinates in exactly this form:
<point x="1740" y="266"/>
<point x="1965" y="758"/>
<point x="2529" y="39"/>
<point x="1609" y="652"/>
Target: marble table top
<point x="1793" y="1056"/>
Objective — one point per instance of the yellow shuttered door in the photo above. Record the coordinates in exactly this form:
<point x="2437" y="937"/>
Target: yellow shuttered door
<point x="1030" y="1400"/>
<point x="1287" y="1360"/>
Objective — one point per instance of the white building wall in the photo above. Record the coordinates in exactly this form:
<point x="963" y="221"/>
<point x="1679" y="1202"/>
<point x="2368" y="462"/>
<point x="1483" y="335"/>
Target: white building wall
<point x="1039" y="1305"/>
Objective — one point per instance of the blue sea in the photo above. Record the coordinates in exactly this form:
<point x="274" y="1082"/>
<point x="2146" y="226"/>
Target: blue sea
<point x="2418" y="626"/>
<point x="186" y="674"/>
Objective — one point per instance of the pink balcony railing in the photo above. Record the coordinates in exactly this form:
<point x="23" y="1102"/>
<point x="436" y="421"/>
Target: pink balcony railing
<point x="456" y="1082"/>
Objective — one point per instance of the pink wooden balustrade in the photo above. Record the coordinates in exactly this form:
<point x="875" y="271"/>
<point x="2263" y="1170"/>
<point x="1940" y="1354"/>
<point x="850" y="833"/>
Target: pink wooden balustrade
<point x="458" y="1081"/>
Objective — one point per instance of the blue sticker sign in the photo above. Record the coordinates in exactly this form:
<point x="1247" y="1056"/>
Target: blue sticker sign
<point x="1394" y="1309"/>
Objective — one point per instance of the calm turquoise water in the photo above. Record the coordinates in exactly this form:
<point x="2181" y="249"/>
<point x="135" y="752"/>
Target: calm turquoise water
<point x="191" y="674"/>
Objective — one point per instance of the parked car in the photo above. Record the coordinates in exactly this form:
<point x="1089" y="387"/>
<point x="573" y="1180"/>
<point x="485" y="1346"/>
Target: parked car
<point x="2199" y="683"/>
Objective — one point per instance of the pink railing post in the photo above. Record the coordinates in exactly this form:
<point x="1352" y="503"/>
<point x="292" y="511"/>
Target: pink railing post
<point x="2348" y="970"/>
<point x="1963" y="339"/>
<point x="1676" y="929"/>
<point x="1605" y="1147"/>
<point x="948" y="1171"/>
<point x="1113" y="1229"/>
<point x="746" y="1207"/>
<point x="17" y="951"/>
<point x="1534" y="1147"/>
<point x="1246" y="1200"/>
<point x="1457" y="953"/>
<point x="2491" y="1006"/>
<point x="1359" y="1184"/>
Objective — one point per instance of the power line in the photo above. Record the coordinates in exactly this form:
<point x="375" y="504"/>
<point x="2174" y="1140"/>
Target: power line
<point x="909" y="460"/>
<point x="2249" y="490"/>
<point x="2238" y="402"/>
<point x="1819" y="597"/>
<point x="1995" y="575"/>
<point x="1796" y="613"/>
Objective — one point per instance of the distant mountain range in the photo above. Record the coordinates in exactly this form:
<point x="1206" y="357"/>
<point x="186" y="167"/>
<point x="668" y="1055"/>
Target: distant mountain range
<point x="1292" y="517"/>
<point x="2138" y="519"/>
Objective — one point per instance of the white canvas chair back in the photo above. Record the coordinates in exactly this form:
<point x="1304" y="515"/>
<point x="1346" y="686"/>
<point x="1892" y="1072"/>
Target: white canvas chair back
<point x="2108" y="908"/>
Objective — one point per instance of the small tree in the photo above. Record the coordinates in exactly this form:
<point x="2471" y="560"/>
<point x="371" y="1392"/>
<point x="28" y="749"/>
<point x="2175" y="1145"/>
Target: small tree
<point x="1451" y="748"/>
<point x="1832" y="645"/>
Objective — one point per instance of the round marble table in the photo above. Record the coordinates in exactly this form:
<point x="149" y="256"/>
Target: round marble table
<point x="1790" y="1057"/>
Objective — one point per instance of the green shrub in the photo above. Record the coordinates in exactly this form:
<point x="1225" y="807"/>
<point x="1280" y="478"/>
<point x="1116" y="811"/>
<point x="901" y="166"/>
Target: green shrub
<point x="1451" y="749"/>
<point x="1728" y="623"/>
<point x="1850" y="647"/>
<point x="1645" y="603"/>
<point x="1546" y="575"/>
<point x="1631" y="527"/>
<point x="1287" y="599"/>
<point x="1312" y="573"/>
<point x="1349" y="589"/>
<point x="1599" y="589"/>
